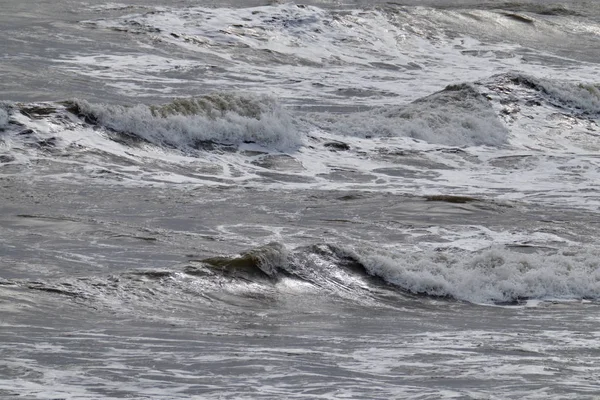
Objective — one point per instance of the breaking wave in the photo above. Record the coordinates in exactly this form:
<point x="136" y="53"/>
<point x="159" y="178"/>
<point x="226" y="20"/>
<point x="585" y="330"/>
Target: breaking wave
<point x="494" y="276"/>
<point x="456" y="116"/>
<point x="220" y="117"/>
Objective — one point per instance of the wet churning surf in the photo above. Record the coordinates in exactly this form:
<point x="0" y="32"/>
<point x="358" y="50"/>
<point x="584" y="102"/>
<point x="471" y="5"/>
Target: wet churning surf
<point x="351" y="200"/>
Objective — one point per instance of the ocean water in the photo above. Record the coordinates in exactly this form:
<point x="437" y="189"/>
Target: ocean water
<point x="318" y="200"/>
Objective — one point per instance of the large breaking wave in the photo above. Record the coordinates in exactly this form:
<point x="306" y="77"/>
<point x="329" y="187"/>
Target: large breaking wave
<point x="220" y="117"/>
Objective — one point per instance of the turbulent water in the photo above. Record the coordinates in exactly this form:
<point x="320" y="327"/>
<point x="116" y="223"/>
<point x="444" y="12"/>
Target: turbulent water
<point x="326" y="200"/>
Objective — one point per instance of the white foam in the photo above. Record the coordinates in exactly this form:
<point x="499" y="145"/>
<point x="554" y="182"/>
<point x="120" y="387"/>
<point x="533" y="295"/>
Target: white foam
<point x="496" y="275"/>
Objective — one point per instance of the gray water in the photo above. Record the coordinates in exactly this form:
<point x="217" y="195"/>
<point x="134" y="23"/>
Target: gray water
<point x="403" y="244"/>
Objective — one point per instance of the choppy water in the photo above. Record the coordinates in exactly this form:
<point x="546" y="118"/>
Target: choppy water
<point x="320" y="200"/>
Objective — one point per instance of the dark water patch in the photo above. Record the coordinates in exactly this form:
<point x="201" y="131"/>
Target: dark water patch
<point x="6" y="159"/>
<point x="49" y="143"/>
<point x="452" y="199"/>
<point x="262" y="262"/>
<point x="26" y="132"/>
<point x="549" y="9"/>
<point x="143" y="238"/>
<point x="498" y="54"/>
<point x="337" y="146"/>
<point x="56" y="289"/>
<point x="352" y="197"/>
<point x="37" y="111"/>
<point x="75" y="108"/>
<point x="152" y="274"/>
<point x="519" y="18"/>
<point x="47" y="217"/>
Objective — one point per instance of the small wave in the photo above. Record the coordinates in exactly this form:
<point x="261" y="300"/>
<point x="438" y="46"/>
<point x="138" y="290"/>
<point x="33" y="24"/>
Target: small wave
<point x="456" y="116"/>
<point x="491" y="276"/>
<point x="221" y="118"/>
<point x="540" y="9"/>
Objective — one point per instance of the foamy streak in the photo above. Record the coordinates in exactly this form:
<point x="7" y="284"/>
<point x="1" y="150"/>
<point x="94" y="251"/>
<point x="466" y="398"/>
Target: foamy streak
<point x="228" y="119"/>
<point x="492" y="276"/>
<point x="456" y="116"/>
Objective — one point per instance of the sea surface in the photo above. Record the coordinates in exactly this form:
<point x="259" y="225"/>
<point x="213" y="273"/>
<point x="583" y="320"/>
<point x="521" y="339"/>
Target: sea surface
<point x="206" y="199"/>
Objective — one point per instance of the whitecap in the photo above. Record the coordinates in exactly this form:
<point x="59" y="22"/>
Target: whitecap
<point x="492" y="276"/>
